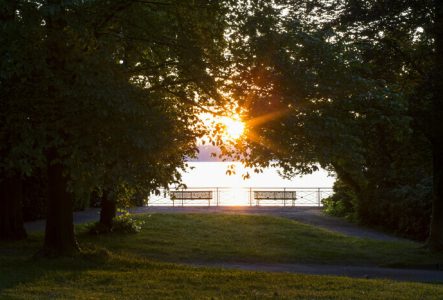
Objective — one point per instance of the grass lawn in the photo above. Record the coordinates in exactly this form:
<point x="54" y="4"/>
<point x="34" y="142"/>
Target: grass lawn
<point x="119" y="266"/>
<point x="254" y="238"/>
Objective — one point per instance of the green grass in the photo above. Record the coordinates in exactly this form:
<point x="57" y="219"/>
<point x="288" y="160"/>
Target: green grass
<point x="252" y="238"/>
<point x="126" y="277"/>
<point x="133" y="266"/>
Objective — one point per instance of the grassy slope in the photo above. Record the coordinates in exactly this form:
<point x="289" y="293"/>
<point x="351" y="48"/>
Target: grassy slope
<point x="246" y="238"/>
<point x="122" y="266"/>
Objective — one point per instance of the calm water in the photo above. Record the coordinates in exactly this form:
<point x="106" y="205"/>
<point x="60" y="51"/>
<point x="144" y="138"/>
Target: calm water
<point x="213" y="174"/>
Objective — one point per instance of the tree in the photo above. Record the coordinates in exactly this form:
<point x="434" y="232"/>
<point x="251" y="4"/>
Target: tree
<point x="175" y="69"/>
<point x="116" y="90"/>
<point x="322" y="89"/>
<point x="17" y="135"/>
<point x="410" y="32"/>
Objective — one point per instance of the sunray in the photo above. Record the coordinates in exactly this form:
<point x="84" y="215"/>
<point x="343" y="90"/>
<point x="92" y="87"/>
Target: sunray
<point x="263" y="141"/>
<point x="266" y="118"/>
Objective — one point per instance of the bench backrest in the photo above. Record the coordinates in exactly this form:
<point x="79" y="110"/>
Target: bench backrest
<point x="275" y="195"/>
<point x="191" y="195"/>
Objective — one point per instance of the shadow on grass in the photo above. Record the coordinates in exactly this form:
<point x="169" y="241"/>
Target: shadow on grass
<point x="204" y="238"/>
<point x="20" y="266"/>
<point x="256" y="239"/>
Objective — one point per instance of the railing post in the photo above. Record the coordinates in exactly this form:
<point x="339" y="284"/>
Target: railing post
<point x="284" y="196"/>
<point x="216" y="196"/>
<point x="250" y="196"/>
<point x="319" y="197"/>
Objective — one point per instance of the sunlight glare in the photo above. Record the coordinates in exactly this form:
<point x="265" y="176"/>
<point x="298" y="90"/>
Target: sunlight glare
<point x="234" y="128"/>
<point x="228" y="128"/>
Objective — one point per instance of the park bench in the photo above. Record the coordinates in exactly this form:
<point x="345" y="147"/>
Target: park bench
<point x="184" y="196"/>
<point x="275" y="196"/>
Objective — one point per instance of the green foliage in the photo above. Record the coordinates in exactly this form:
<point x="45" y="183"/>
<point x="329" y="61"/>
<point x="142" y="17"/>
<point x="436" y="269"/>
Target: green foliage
<point x="405" y="210"/>
<point x="127" y="196"/>
<point x="125" y="223"/>
<point x="122" y="223"/>
<point x="342" y="203"/>
<point x="342" y="87"/>
<point x="115" y="91"/>
<point x="109" y="90"/>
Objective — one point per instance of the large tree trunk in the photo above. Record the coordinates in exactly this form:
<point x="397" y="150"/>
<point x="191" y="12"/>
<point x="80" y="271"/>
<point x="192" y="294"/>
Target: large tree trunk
<point x="11" y="217"/>
<point x="59" y="234"/>
<point x="108" y="210"/>
<point x="435" y="240"/>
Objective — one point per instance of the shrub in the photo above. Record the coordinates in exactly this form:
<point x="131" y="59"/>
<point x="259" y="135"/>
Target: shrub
<point x="125" y="223"/>
<point x="402" y="209"/>
<point x="342" y="203"/>
<point x="122" y="223"/>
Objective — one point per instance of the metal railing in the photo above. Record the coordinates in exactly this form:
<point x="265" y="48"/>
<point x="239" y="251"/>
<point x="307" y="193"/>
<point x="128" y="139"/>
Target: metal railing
<point x="245" y="196"/>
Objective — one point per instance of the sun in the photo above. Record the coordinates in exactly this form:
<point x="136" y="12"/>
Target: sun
<point x="228" y="128"/>
<point x="234" y="128"/>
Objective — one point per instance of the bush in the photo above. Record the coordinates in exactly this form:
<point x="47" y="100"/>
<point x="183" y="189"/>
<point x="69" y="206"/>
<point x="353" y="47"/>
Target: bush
<point x="123" y="223"/>
<point x="402" y="209"/>
<point x="342" y="203"/>
<point x="405" y="210"/>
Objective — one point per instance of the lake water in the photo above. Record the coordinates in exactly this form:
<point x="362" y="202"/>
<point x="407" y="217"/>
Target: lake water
<point x="211" y="177"/>
<point x="213" y="174"/>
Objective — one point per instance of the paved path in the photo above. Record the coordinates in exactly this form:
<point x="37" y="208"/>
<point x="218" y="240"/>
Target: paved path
<point x="80" y="217"/>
